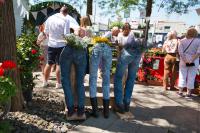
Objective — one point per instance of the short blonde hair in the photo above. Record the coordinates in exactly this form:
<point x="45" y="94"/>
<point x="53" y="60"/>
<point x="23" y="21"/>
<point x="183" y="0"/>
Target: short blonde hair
<point x="84" y="21"/>
<point x="115" y="28"/>
<point x="191" y="33"/>
<point x="174" y="33"/>
<point x="170" y="35"/>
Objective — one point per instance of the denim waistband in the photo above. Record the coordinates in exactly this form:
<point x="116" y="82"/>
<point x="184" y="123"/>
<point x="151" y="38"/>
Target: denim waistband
<point x="102" y="44"/>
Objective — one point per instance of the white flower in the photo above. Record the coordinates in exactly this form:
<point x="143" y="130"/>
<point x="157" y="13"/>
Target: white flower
<point x="27" y="59"/>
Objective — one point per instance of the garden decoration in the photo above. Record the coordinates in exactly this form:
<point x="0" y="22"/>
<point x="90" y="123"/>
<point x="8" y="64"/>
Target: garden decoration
<point x="98" y="39"/>
<point x="7" y="86"/>
<point x="76" y="41"/>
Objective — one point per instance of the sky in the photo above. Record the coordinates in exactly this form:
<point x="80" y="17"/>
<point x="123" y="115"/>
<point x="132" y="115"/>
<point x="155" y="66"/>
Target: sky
<point x="191" y="18"/>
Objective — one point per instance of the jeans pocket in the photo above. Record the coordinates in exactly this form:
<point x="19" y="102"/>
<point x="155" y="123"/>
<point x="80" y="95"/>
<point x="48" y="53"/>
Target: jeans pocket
<point x="95" y="53"/>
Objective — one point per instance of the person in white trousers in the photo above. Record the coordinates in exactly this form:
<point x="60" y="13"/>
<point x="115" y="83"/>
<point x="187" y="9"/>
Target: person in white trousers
<point x="189" y="51"/>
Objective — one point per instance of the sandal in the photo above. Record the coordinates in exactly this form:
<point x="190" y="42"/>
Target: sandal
<point x="188" y="96"/>
<point x="180" y="94"/>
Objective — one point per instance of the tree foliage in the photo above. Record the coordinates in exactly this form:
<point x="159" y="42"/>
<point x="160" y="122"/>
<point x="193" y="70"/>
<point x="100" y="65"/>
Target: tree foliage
<point x="177" y="6"/>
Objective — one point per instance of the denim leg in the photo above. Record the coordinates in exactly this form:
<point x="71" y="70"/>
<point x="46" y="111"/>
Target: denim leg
<point x="121" y="67"/>
<point x="106" y="66"/>
<point x="65" y="66"/>
<point x="132" y="70"/>
<point x="80" y="61"/>
<point x="94" y="64"/>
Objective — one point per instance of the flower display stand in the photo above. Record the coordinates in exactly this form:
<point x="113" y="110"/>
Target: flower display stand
<point x="151" y="74"/>
<point x="151" y="71"/>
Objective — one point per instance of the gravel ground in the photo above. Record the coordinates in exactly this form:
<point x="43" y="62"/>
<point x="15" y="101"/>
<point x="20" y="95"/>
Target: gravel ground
<point x="45" y="114"/>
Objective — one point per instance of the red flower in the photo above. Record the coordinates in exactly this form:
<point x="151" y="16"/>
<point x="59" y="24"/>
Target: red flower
<point x="1" y="71"/>
<point x="8" y="64"/>
<point x="33" y="51"/>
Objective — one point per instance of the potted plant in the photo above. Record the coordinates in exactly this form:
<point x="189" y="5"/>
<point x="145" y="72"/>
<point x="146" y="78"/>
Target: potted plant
<point x="28" y="57"/>
<point x="7" y="86"/>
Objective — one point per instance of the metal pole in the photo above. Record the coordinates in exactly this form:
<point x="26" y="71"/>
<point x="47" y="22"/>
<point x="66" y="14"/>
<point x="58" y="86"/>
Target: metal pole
<point x="95" y="10"/>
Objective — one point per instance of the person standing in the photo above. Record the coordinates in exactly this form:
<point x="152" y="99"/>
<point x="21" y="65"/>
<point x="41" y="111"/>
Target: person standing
<point x="189" y="51"/>
<point x="170" y="47"/>
<point x="129" y="57"/>
<point x="56" y="26"/>
<point x="42" y="40"/>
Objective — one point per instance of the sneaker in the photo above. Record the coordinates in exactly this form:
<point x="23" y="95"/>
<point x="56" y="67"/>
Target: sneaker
<point x="45" y="84"/>
<point x="58" y="86"/>
<point x="188" y="96"/>
<point x="180" y="94"/>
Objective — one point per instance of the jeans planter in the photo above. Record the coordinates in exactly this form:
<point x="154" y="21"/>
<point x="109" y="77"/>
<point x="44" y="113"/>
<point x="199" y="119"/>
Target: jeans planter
<point x="70" y="56"/>
<point x="100" y="53"/>
<point x="129" y="58"/>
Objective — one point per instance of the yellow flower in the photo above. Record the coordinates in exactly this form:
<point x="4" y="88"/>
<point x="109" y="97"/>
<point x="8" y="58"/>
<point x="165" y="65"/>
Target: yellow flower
<point x="100" y="40"/>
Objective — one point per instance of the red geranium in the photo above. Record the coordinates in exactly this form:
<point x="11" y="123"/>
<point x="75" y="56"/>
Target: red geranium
<point x="1" y="71"/>
<point x="8" y="64"/>
<point x="33" y="51"/>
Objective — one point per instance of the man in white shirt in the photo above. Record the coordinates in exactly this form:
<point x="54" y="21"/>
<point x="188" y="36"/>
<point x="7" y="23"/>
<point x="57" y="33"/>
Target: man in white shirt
<point x="56" y="26"/>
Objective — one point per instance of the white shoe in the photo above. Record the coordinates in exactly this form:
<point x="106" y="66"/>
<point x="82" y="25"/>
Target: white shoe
<point x="45" y="84"/>
<point x="58" y="86"/>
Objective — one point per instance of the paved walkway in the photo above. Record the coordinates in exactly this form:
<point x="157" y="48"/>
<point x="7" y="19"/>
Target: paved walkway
<point x="154" y="112"/>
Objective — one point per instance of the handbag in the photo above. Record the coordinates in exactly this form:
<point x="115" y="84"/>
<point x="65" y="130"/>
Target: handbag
<point x="190" y="64"/>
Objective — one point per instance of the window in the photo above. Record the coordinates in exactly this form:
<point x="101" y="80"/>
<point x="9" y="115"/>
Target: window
<point x="167" y="27"/>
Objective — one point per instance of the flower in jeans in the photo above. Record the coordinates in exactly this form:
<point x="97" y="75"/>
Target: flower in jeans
<point x="33" y="51"/>
<point x="98" y="39"/>
<point x="76" y="41"/>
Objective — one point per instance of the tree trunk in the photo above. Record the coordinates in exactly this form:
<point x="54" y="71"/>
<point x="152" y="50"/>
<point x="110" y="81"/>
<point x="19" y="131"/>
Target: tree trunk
<point x="8" y="47"/>
<point x="89" y="7"/>
<point x="148" y="14"/>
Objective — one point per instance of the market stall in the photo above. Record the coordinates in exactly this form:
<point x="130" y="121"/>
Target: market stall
<point x="151" y="70"/>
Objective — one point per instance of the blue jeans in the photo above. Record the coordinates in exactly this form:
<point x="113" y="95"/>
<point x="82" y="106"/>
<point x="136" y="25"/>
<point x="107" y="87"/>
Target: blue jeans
<point x="101" y="52"/>
<point x="68" y="56"/>
<point x="130" y="59"/>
